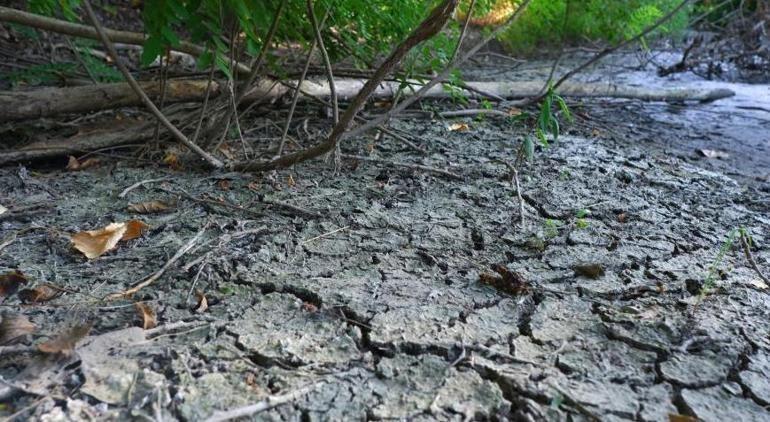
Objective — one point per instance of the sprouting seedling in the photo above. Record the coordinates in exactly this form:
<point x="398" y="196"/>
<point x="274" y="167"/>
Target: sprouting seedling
<point x="710" y="281"/>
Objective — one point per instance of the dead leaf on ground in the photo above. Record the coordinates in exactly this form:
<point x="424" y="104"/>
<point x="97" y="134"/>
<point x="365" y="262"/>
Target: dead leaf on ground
<point x="134" y="229"/>
<point x="145" y="311"/>
<point x="672" y="417"/>
<point x="758" y="284"/>
<point x="223" y="184"/>
<point x="290" y="181"/>
<point x="171" y="159"/>
<point x="514" y="111"/>
<point x="40" y="294"/>
<point x="505" y="280"/>
<point x="458" y="127"/>
<point x="712" y="153"/>
<point x="203" y="303"/>
<point x="95" y="243"/>
<point x="622" y="217"/>
<point x="13" y="327"/>
<point x="75" y="165"/>
<point x="591" y="270"/>
<point x="65" y="342"/>
<point x="150" y="207"/>
<point x="3" y="210"/>
<point x="10" y="282"/>
<point x="309" y="307"/>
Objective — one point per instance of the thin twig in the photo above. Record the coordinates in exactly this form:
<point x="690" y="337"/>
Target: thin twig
<point x="428" y="169"/>
<point x="141" y="183"/>
<point x="211" y="160"/>
<point x="464" y="31"/>
<point x="750" y="258"/>
<point x="321" y="236"/>
<point x="266" y="404"/>
<point x="151" y="279"/>
<point x="327" y="63"/>
<point x="291" y="209"/>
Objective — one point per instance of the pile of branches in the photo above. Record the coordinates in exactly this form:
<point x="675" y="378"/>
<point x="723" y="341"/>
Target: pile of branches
<point x="731" y="45"/>
<point x="220" y="104"/>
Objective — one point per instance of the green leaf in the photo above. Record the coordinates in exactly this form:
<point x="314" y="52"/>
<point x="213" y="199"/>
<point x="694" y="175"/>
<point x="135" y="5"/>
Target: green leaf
<point x="529" y="148"/>
<point x="153" y="47"/>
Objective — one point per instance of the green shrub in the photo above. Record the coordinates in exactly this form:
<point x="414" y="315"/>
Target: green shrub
<point x="543" y="23"/>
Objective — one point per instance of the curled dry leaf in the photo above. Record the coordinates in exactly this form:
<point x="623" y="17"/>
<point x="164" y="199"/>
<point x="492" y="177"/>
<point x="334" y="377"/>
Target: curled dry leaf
<point x="95" y="243"/>
<point x="203" y="303"/>
<point x="134" y="229"/>
<point x="10" y="282"/>
<point x="458" y="127"/>
<point x="224" y="184"/>
<point x="75" y="165"/>
<point x="590" y="270"/>
<point x="65" y="342"/>
<point x="145" y="311"/>
<point x="505" y="280"/>
<point x="14" y="327"/>
<point x="40" y="294"/>
<point x="150" y="207"/>
<point x="171" y="159"/>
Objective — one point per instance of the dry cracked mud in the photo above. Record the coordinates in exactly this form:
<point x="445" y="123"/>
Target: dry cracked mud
<point x="374" y="310"/>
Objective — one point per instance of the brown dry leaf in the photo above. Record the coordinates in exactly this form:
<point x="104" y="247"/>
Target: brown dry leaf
<point x="505" y="280"/>
<point x="513" y="111"/>
<point x="596" y="132"/>
<point x="458" y="127"/>
<point x="149" y="319"/>
<point x="75" y="165"/>
<point x="590" y="270"/>
<point x="134" y="229"/>
<point x="672" y="417"/>
<point x="10" y="282"/>
<point x="95" y="243"/>
<point x="14" y="327"/>
<point x="203" y="303"/>
<point x="290" y="181"/>
<point x="171" y="159"/>
<point x="224" y="184"/>
<point x="622" y="217"/>
<point x="150" y="207"/>
<point x="40" y="294"/>
<point x="309" y="307"/>
<point x="712" y="153"/>
<point x="227" y="152"/>
<point x="65" y="342"/>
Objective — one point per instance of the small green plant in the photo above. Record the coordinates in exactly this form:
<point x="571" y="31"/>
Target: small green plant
<point x="547" y="123"/>
<point x="551" y="228"/>
<point x="581" y="222"/>
<point x="710" y="282"/>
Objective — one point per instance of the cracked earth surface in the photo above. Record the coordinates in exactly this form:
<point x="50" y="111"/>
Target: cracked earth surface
<point x="377" y="305"/>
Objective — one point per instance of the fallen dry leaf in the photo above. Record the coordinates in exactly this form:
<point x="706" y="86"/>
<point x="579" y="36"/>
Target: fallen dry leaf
<point x="290" y="181"/>
<point x="149" y="319"/>
<point x="10" y="282"/>
<point x="3" y="210"/>
<point x="203" y="303"/>
<point x="149" y="207"/>
<point x="95" y="243"/>
<point x="590" y="270"/>
<point x="458" y="127"/>
<point x="309" y="307"/>
<point x="172" y="160"/>
<point x="134" y="229"/>
<point x="622" y="217"/>
<point x="223" y="184"/>
<point x="75" y="165"/>
<point x="505" y="281"/>
<point x="513" y="111"/>
<point x="13" y="327"/>
<point x="40" y="294"/>
<point x="712" y="153"/>
<point x="65" y="342"/>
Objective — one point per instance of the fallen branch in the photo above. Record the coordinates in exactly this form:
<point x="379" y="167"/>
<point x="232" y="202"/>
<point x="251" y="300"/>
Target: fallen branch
<point x="19" y="105"/>
<point x="45" y="23"/>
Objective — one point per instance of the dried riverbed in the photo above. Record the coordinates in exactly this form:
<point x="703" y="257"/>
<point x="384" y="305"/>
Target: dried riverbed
<point x="374" y="310"/>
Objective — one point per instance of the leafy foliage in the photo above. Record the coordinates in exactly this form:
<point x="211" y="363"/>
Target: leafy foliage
<point x="543" y="23"/>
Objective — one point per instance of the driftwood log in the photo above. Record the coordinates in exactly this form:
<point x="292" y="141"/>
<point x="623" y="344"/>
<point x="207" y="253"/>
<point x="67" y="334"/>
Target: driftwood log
<point x="21" y="105"/>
